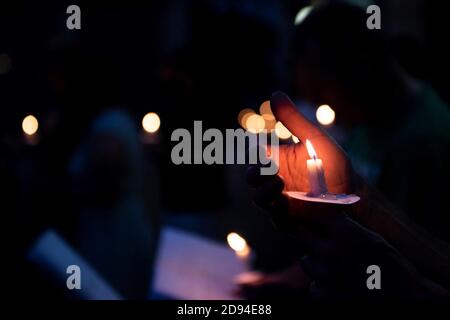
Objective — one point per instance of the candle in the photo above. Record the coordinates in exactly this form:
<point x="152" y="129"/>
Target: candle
<point x="240" y="247"/>
<point x="316" y="176"/>
<point x="150" y="125"/>
<point x="30" y="126"/>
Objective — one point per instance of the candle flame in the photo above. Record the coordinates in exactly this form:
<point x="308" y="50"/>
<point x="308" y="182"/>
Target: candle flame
<point x="237" y="243"/>
<point x="151" y="122"/>
<point x="30" y="125"/>
<point x="312" y="153"/>
<point x="325" y="115"/>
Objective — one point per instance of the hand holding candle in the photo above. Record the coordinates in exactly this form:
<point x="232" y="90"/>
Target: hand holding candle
<point x="324" y="170"/>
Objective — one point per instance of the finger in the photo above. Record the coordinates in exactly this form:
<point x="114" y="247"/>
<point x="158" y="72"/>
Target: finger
<point x="286" y="112"/>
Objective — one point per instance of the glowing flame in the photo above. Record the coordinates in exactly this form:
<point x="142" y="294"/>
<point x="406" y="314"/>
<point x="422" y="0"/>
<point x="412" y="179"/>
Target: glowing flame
<point x="238" y="244"/>
<point x="302" y="15"/>
<point x="243" y="116"/>
<point x="151" y="122"/>
<point x="325" y="115"/>
<point x="255" y="123"/>
<point x="312" y="153"/>
<point x="30" y="125"/>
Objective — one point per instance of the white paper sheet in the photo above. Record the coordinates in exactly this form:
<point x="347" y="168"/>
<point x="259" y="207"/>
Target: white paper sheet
<point x="191" y="267"/>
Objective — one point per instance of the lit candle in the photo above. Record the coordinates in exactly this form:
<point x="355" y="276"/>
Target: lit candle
<point x="240" y="247"/>
<point x="30" y="127"/>
<point x="151" y="123"/>
<point x="316" y="176"/>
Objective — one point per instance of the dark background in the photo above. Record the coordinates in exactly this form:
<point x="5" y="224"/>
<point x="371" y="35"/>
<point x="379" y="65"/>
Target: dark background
<point x="185" y="60"/>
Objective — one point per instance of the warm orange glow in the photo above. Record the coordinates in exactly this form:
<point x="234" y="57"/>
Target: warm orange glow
<point x="238" y="244"/>
<point x="264" y="109"/>
<point x="255" y="123"/>
<point x="151" y="122"/>
<point x="30" y="125"/>
<point x="312" y="153"/>
<point x="325" y="115"/>
<point x="281" y="131"/>
<point x="243" y="116"/>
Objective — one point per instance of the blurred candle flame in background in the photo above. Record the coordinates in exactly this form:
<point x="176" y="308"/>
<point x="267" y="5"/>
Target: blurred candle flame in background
<point x="30" y="125"/>
<point x="238" y="244"/>
<point x="325" y="115"/>
<point x="151" y="122"/>
<point x="255" y="123"/>
<point x="281" y="131"/>
<point x="302" y="15"/>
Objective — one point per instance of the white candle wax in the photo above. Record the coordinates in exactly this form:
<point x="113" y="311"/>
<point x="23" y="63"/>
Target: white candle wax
<point x="316" y="175"/>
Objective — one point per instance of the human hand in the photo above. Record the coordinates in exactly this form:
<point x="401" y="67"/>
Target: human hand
<point x="293" y="175"/>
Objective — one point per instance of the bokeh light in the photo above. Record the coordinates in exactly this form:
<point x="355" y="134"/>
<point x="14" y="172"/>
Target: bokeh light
<point x="255" y="123"/>
<point x="151" y="122"/>
<point x="302" y="15"/>
<point x="325" y="115"/>
<point x="265" y="109"/>
<point x="281" y="131"/>
<point x="30" y="125"/>
<point x="236" y="242"/>
<point x="243" y="116"/>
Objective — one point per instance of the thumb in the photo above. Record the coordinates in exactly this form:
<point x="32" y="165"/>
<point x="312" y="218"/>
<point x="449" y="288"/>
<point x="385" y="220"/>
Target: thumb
<point x="286" y="112"/>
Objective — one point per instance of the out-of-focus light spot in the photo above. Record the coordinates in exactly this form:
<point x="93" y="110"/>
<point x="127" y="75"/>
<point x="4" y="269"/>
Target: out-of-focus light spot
<point x="243" y="116"/>
<point x="281" y="131"/>
<point x="265" y="109"/>
<point x="325" y="115"/>
<point x="151" y="122"/>
<point x="295" y="139"/>
<point x="255" y="123"/>
<point x="302" y="14"/>
<point x="237" y="243"/>
<point x="270" y="121"/>
<point x="5" y="63"/>
<point x="30" y="125"/>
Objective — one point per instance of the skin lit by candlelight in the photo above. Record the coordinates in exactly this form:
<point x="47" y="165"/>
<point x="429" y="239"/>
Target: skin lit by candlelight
<point x="312" y="153"/>
<point x="238" y="244"/>
<point x="151" y="122"/>
<point x="325" y="115"/>
<point x="30" y="125"/>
